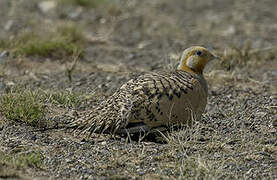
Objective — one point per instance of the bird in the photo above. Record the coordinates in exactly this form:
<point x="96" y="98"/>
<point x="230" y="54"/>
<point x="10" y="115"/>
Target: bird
<point x="154" y="100"/>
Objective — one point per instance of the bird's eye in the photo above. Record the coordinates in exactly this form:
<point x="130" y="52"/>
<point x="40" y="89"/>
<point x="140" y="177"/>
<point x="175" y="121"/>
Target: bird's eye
<point x="199" y="53"/>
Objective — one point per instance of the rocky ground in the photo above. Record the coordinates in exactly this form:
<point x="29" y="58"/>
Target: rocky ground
<point x="57" y="60"/>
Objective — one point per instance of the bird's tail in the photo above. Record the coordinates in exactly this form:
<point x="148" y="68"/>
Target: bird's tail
<point x="90" y="122"/>
<point x="103" y="119"/>
<point x="107" y="117"/>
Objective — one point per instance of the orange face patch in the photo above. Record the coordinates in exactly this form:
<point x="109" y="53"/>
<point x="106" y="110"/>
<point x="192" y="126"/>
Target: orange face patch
<point x="194" y="59"/>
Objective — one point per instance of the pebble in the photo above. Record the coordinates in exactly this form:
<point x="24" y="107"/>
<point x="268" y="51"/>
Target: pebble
<point x="46" y="6"/>
<point x="8" y="25"/>
<point x="104" y="143"/>
<point x="3" y="56"/>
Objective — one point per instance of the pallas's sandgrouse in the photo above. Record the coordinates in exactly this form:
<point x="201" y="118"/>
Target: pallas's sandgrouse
<point x="154" y="100"/>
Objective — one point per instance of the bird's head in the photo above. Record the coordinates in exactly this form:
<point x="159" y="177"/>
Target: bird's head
<point x="194" y="59"/>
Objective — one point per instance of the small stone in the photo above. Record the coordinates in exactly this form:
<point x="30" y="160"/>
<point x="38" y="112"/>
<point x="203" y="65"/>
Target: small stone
<point x="3" y="56"/>
<point x="8" y="25"/>
<point x="230" y="30"/>
<point x="143" y="44"/>
<point x="76" y="13"/>
<point x="104" y="143"/>
<point x="46" y="6"/>
<point x="10" y="83"/>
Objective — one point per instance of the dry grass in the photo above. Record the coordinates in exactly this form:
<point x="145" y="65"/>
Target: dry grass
<point x="246" y="56"/>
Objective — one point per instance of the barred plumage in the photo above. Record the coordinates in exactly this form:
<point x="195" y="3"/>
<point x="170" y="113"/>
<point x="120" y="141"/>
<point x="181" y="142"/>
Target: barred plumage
<point x="153" y="100"/>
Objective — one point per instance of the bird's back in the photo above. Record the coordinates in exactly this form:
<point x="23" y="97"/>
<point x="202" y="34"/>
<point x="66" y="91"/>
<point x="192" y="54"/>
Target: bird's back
<point x="154" y="100"/>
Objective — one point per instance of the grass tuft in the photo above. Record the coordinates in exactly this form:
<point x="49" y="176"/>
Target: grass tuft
<point x="30" y="106"/>
<point x="23" y="107"/>
<point x="65" y="98"/>
<point x="60" y="43"/>
<point x="71" y="33"/>
<point x="31" y="159"/>
<point x="56" y="48"/>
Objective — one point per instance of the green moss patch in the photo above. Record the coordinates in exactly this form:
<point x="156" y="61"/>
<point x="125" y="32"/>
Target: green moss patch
<point x="32" y="159"/>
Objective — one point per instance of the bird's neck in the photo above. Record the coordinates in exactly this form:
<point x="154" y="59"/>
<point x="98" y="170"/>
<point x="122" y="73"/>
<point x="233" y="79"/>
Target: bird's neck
<point x="190" y="70"/>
